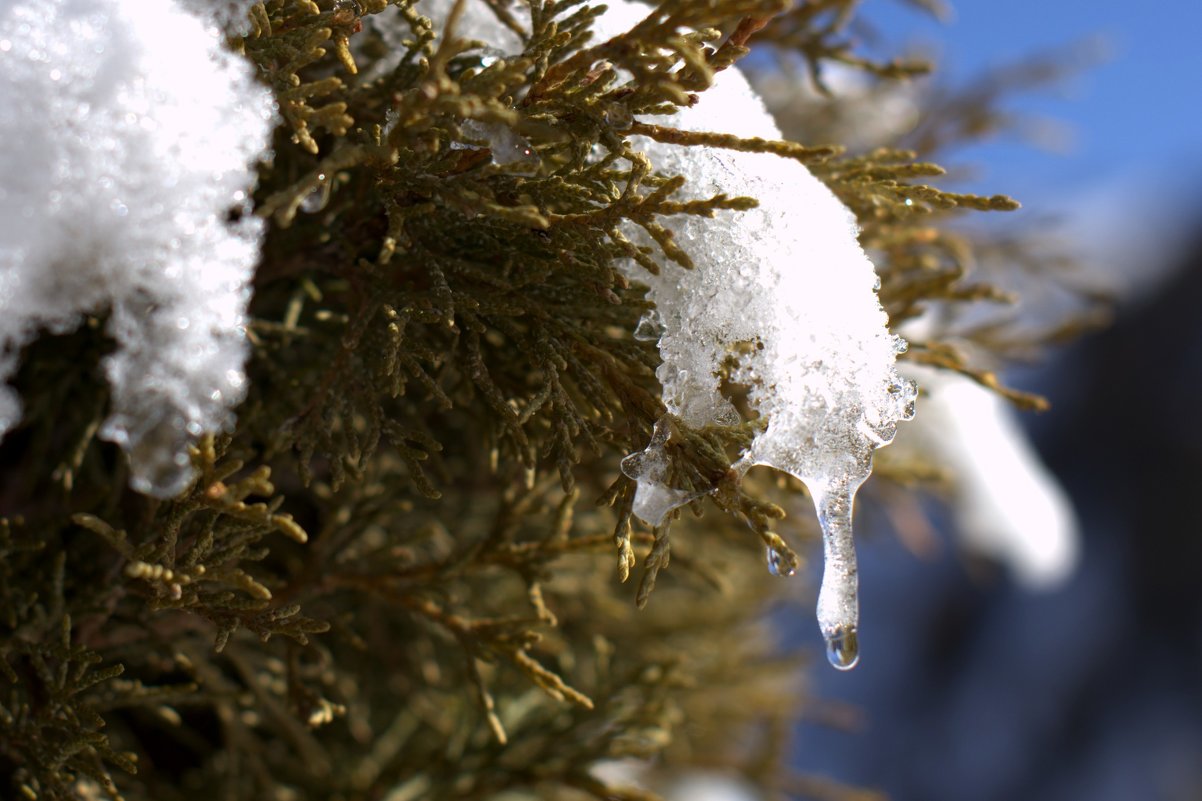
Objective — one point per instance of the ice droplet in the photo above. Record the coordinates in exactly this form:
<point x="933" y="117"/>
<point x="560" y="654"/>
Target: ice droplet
<point x="843" y="649"/>
<point x="506" y="146"/>
<point x="490" y="56"/>
<point x="650" y="327"/>
<point x="619" y="117"/>
<point x="157" y="444"/>
<point x="777" y="564"/>
<point x="653" y="498"/>
<point x="318" y="197"/>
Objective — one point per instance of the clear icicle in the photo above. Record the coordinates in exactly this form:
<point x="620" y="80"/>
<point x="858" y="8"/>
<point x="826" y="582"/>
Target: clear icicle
<point x="838" y="602"/>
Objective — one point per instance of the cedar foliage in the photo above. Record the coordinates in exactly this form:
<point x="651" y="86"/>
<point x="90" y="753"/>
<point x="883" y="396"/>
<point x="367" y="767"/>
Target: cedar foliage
<point x="395" y="578"/>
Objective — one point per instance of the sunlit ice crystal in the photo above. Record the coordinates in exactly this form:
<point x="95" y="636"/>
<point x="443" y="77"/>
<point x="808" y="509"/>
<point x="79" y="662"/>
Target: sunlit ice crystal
<point x="130" y="133"/>
<point x="505" y="146"/>
<point x="650" y="328"/>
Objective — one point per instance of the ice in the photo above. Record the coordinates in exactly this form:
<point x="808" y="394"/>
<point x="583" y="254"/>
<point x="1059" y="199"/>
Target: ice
<point x="649" y="328"/>
<point x="318" y="196"/>
<point x="838" y="612"/>
<point x="787" y="291"/>
<point x="787" y="287"/>
<point x="130" y="136"/>
<point x="505" y="145"/>
<point x="777" y="564"/>
<point x="653" y="497"/>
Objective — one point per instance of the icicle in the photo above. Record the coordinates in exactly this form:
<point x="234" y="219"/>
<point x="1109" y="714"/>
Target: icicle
<point x="838" y="603"/>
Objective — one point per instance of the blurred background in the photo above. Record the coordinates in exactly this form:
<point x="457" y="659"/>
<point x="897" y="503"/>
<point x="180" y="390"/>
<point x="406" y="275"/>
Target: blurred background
<point x="970" y="686"/>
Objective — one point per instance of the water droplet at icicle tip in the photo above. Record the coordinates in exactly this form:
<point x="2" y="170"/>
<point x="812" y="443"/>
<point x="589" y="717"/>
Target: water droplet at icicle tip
<point x="843" y="648"/>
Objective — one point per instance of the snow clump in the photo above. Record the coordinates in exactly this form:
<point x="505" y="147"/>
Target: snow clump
<point x="130" y="138"/>
<point x="785" y="289"/>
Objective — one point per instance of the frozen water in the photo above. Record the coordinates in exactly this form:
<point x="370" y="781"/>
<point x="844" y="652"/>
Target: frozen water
<point x="480" y="24"/>
<point x="231" y="16"/>
<point x="318" y="196"/>
<point x="838" y="607"/>
<point x="777" y="565"/>
<point x="506" y="146"/>
<point x="130" y="133"/>
<point x="788" y="289"/>
<point x="843" y="648"/>
<point x="650" y="327"/>
<point x="653" y="498"/>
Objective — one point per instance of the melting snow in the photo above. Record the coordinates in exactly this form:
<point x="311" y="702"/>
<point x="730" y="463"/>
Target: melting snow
<point x="788" y="289"/>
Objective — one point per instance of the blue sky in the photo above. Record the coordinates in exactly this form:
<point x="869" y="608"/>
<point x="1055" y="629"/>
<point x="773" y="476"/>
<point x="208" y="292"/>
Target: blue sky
<point x="1139" y="112"/>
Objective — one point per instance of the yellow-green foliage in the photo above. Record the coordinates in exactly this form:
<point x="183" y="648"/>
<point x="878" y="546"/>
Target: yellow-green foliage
<point x="396" y="578"/>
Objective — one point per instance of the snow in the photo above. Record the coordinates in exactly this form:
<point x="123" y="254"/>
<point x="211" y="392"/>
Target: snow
<point x="1005" y="503"/>
<point x="130" y="134"/>
<point x="784" y="286"/>
<point x="787" y="287"/>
